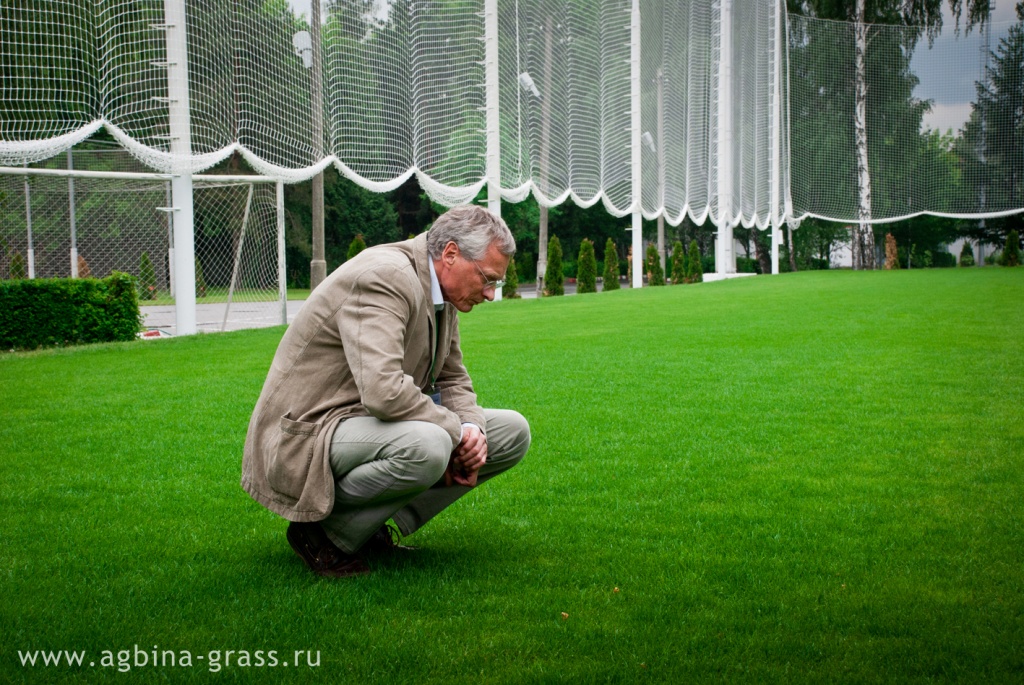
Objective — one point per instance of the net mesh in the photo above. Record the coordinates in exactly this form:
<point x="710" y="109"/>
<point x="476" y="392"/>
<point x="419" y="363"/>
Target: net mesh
<point x="399" y="89"/>
<point x="58" y="227"/>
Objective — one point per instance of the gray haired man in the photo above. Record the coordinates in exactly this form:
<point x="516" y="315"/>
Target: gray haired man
<point x="368" y="413"/>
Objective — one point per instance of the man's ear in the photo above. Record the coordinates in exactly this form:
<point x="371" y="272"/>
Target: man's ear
<point x="450" y="252"/>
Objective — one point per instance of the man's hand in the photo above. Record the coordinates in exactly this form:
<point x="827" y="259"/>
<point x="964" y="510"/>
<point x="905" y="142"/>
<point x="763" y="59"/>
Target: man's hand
<point x="467" y="458"/>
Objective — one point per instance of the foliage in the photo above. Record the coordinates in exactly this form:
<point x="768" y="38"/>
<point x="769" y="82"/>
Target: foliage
<point x="586" y="272"/>
<point x="1011" y="255"/>
<point x="510" y="291"/>
<point x="69" y="311"/>
<point x="147" y="278"/>
<point x="554" y="278"/>
<point x="892" y="259"/>
<point x="356" y="246"/>
<point x="695" y="269"/>
<point x="610" y="277"/>
<point x="678" y="263"/>
<point x="967" y="254"/>
<point x="83" y="268"/>
<point x="18" y="266"/>
<point x="747" y="265"/>
<point x="655" y="276"/>
<point x="200" y="280"/>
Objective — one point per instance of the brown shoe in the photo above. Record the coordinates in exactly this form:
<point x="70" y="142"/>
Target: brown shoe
<point x="385" y="541"/>
<point x="321" y="555"/>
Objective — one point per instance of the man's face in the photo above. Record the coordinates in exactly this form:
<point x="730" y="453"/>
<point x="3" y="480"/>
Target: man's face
<point x="463" y="282"/>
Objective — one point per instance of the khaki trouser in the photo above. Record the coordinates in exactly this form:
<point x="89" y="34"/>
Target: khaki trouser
<point x="395" y="470"/>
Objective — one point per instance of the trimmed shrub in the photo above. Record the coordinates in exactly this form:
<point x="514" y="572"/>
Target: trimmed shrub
<point x="586" y="273"/>
<point x="200" y="281"/>
<point x="892" y="256"/>
<point x="68" y="311"/>
<point x="356" y="246"/>
<point x="655" y="276"/>
<point x="696" y="270"/>
<point x="511" y="289"/>
<point x="1011" y="255"/>
<point x="611" y="266"/>
<point x="943" y="259"/>
<point x="554" y="278"/>
<point x="967" y="255"/>
<point x="147" y="278"/>
<point x="678" y="263"/>
<point x="746" y="265"/>
<point x="18" y="270"/>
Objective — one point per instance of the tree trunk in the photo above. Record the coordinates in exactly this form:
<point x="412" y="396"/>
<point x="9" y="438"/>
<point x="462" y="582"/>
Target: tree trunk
<point x="789" y="242"/>
<point x="863" y="237"/>
<point x="545" y="151"/>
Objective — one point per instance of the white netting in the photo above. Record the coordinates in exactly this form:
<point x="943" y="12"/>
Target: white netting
<point x="57" y="227"/>
<point x="921" y="98"/>
<point x="402" y="91"/>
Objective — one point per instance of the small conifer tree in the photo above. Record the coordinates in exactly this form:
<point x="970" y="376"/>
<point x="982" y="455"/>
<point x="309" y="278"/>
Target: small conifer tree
<point x="1011" y="255"/>
<point x="356" y="246"/>
<point x="892" y="257"/>
<point x="586" y="274"/>
<point x="967" y="255"/>
<point x="200" y="281"/>
<point x="611" y="266"/>
<point x="554" y="279"/>
<point x="510" y="291"/>
<point x="147" y="278"/>
<point x="83" y="268"/>
<point x="696" y="270"/>
<point x="678" y="263"/>
<point x="18" y="271"/>
<point x="655" y="276"/>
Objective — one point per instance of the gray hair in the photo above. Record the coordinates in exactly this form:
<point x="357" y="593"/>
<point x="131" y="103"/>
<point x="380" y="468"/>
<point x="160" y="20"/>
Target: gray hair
<point x="472" y="229"/>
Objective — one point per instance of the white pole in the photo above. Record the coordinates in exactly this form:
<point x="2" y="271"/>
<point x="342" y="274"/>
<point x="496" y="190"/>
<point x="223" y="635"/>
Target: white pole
<point x="28" y="223"/>
<point x="776" y="181"/>
<point x="635" y="142"/>
<point x="282" y="274"/>
<point x="181" y="181"/>
<point x="238" y="259"/>
<point x="71" y="212"/>
<point x="493" y="123"/>
<point x="724" y="257"/>
<point x="169" y="212"/>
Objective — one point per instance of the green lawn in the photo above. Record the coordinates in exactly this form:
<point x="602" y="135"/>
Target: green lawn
<point x="816" y="477"/>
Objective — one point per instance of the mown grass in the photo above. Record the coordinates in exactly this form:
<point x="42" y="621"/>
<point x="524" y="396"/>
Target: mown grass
<point x="804" y="478"/>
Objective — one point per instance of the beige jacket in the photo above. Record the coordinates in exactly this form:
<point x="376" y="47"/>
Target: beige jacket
<point x="360" y="346"/>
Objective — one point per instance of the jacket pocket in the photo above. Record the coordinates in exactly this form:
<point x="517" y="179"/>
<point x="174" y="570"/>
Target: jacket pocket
<point x="288" y="467"/>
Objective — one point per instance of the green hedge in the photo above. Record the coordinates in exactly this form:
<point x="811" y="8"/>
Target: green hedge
<point x="48" y="312"/>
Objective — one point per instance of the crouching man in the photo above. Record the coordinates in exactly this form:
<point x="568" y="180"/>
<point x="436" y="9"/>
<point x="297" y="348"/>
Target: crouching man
<point x="368" y="413"/>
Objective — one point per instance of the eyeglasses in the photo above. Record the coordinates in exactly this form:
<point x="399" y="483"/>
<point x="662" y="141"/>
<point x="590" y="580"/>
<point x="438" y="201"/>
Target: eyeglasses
<point x="488" y="283"/>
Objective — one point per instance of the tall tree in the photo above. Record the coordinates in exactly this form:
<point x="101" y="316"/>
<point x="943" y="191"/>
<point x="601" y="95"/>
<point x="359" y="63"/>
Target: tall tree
<point x="917" y="17"/>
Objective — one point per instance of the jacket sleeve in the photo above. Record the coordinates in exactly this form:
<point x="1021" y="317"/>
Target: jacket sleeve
<point x="456" y="386"/>
<point x="373" y="324"/>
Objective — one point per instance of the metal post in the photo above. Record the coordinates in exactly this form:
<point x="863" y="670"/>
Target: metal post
<point x="318" y="265"/>
<point x="282" y="274"/>
<point x="170" y="239"/>
<point x="181" y="179"/>
<point x="545" y="152"/>
<point x="493" y="115"/>
<point x="724" y="257"/>
<point x="776" y="180"/>
<point x="72" y="222"/>
<point x="660" y="82"/>
<point x="28" y="223"/>
<point x="635" y="142"/>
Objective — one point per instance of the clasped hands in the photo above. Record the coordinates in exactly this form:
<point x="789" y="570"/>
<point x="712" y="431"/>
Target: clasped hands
<point x="467" y="458"/>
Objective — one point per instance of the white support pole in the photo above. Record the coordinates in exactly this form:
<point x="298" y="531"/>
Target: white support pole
<point x="28" y="224"/>
<point x="181" y="180"/>
<point x="493" y="122"/>
<point x="635" y="142"/>
<point x="282" y="274"/>
<point x="238" y="259"/>
<point x="71" y="215"/>
<point x="775" y="223"/>
<point x="662" y="251"/>
<point x="170" y="238"/>
<point x="724" y="254"/>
